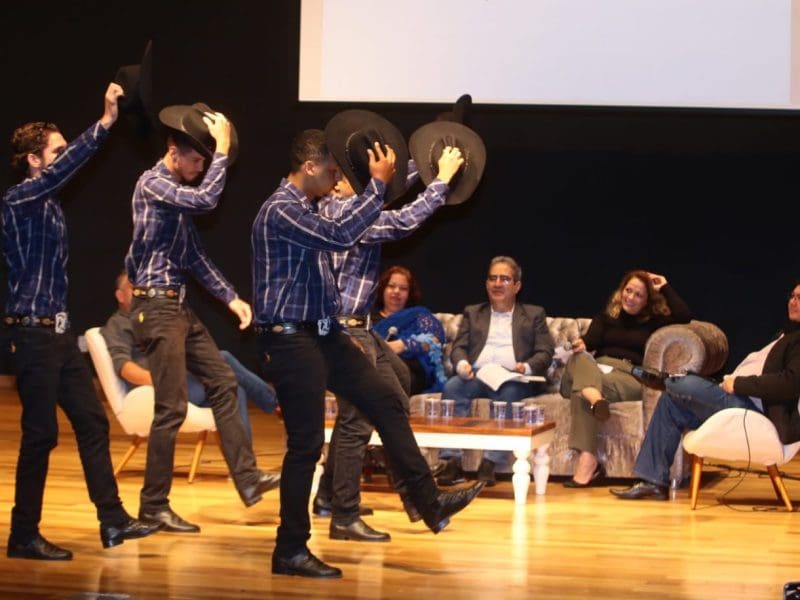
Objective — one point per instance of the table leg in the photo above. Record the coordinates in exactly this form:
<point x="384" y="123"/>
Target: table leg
<point x="541" y="469"/>
<point x="522" y="476"/>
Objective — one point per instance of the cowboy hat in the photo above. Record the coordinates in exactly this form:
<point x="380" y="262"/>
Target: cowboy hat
<point x="136" y="82"/>
<point x="426" y="145"/>
<point x="350" y="133"/>
<point x="460" y="112"/>
<point x="188" y="119"/>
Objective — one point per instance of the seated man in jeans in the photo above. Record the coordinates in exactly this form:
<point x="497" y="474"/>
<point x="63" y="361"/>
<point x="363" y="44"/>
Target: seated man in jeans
<point x="767" y="380"/>
<point x="501" y="331"/>
<point x="131" y="364"/>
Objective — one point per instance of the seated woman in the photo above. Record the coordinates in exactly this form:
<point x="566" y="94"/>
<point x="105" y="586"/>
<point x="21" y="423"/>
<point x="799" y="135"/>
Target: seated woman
<point x="642" y="303"/>
<point x="412" y="331"/>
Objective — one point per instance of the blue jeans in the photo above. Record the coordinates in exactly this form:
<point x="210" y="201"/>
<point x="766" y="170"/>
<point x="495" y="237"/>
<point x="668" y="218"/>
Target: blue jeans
<point x="687" y="402"/>
<point x="250" y="386"/>
<point x="464" y="391"/>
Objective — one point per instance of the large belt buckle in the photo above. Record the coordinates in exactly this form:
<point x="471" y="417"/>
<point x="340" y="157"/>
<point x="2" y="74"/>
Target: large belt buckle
<point x="324" y="326"/>
<point x="62" y="321"/>
<point x="151" y="293"/>
<point x="181" y="294"/>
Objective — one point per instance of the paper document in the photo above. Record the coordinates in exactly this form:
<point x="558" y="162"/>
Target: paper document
<point x="494" y="376"/>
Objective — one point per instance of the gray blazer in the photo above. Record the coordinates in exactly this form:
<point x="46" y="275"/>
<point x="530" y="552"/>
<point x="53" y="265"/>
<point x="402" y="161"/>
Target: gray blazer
<point x="532" y="341"/>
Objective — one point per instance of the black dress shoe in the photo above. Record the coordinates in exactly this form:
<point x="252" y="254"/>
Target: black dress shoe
<point x="650" y="377"/>
<point x="642" y="490"/>
<point x="322" y="508"/>
<point x="597" y="478"/>
<point x="411" y="510"/>
<point x="486" y="472"/>
<point x="303" y="564"/>
<point x="169" y="520"/>
<point x="452" y="473"/>
<point x="37" y="549"/>
<point x="265" y="483"/>
<point x="111" y="535"/>
<point x="358" y="531"/>
<point x="449" y="503"/>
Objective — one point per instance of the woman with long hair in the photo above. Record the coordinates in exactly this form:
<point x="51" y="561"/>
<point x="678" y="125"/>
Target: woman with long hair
<point x="599" y="370"/>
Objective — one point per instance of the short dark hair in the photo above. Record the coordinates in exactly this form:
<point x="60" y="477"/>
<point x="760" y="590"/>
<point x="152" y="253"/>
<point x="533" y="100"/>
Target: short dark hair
<point x="184" y="143"/>
<point x="308" y="145"/>
<point x="30" y="138"/>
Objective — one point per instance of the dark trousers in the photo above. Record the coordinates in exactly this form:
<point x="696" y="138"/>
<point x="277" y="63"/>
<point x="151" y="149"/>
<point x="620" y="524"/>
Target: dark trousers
<point x="52" y="372"/>
<point x="302" y="365"/>
<point x="341" y="480"/>
<point x="174" y="340"/>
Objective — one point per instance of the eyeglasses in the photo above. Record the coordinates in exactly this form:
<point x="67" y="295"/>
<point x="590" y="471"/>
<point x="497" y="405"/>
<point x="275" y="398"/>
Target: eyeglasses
<point x="504" y="279"/>
<point x="795" y="297"/>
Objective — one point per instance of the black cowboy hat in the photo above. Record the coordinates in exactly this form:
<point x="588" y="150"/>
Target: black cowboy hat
<point x="350" y="133"/>
<point x="188" y="119"/>
<point x="136" y="82"/>
<point x="460" y="112"/>
<point x="426" y="145"/>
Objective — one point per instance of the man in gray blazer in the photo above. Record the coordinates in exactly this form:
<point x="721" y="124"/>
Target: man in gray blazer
<point x="501" y="332"/>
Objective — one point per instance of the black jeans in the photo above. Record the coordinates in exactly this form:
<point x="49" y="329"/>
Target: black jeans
<point x="174" y="340"/>
<point x="52" y="372"/>
<point x="341" y="480"/>
<point x="302" y="365"/>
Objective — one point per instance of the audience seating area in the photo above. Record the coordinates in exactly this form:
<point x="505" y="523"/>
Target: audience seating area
<point x="698" y="347"/>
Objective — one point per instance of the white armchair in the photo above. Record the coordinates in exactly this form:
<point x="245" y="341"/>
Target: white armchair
<point x="738" y="434"/>
<point x="134" y="409"/>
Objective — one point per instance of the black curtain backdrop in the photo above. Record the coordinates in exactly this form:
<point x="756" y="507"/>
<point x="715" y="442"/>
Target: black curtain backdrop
<point x="577" y="194"/>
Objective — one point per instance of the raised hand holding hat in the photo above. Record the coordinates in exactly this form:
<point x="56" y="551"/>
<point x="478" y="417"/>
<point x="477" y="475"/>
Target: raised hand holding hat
<point x="427" y="145"/>
<point x="350" y="134"/>
<point x="191" y="121"/>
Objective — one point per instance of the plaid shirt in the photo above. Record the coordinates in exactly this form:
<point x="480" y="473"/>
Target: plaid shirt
<point x="165" y="241"/>
<point x="356" y="269"/>
<point x="35" y="234"/>
<point x="291" y="244"/>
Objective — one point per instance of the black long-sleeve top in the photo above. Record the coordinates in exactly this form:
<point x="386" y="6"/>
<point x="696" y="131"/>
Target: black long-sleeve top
<point x="625" y="337"/>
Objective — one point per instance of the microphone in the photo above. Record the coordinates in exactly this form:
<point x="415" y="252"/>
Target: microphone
<point x="391" y="333"/>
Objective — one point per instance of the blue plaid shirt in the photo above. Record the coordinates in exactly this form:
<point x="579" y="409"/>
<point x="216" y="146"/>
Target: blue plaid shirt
<point x="165" y="241"/>
<point x="291" y="245"/>
<point x="356" y="269"/>
<point x="35" y="234"/>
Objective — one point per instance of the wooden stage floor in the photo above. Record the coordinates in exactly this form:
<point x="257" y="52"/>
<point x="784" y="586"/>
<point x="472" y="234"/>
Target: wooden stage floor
<point x="567" y="544"/>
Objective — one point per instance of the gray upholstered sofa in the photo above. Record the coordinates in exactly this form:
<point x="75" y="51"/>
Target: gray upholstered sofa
<point x="699" y="347"/>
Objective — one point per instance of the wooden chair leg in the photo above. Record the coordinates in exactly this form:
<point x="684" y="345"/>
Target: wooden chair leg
<point x="135" y="443"/>
<point x="198" y="450"/>
<point x="697" y="475"/>
<point x="780" y="489"/>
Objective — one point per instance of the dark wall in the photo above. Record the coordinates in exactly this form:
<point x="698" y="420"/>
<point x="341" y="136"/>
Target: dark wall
<point x="577" y="195"/>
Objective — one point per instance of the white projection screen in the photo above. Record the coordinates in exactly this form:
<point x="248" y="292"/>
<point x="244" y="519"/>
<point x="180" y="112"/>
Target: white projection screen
<point x="661" y="53"/>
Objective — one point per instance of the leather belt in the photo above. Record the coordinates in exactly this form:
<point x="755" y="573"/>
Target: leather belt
<point x="354" y="321"/>
<point x="176" y="293"/>
<point x="320" y="327"/>
<point x="59" y="322"/>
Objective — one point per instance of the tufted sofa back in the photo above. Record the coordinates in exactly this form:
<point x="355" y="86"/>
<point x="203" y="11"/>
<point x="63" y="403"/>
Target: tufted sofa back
<point x="564" y="330"/>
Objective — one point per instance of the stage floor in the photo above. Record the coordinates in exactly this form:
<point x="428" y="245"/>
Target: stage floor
<point x="567" y="544"/>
